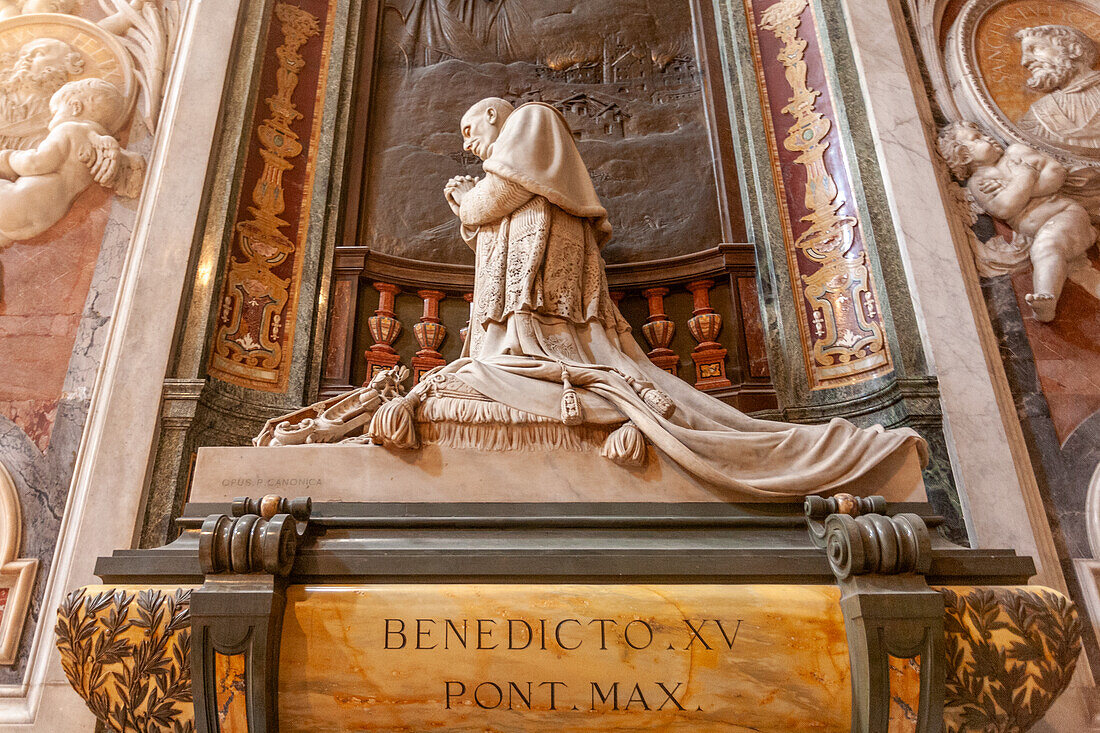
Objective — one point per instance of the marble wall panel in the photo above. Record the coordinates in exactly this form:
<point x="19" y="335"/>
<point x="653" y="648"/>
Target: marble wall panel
<point x="131" y="291"/>
<point x="42" y="296"/>
<point x="54" y="372"/>
<point x="1051" y="369"/>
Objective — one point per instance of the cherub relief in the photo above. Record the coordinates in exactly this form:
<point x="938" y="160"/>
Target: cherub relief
<point x="40" y="185"/>
<point x="1022" y="187"/>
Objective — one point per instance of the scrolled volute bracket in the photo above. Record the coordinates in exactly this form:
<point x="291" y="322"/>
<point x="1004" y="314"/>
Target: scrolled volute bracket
<point x="246" y="557"/>
<point x="262" y="536"/>
<point x="877" y="544"/>
<point x="879" y="562"/>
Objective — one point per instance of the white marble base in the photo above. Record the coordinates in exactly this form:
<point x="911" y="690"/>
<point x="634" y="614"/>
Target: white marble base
<point x="440" y="474"/>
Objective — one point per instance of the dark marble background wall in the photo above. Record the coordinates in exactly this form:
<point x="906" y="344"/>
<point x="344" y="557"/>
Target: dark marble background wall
<point x="630" y="90"/>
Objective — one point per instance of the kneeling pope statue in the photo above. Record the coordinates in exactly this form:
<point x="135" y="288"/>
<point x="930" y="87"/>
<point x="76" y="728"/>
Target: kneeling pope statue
<point x="548" y="352"/>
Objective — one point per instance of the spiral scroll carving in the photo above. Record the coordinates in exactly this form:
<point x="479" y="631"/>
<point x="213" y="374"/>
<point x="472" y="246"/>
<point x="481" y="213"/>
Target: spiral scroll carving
<point x="877" y="544"/>
<point x="261" y="537"/>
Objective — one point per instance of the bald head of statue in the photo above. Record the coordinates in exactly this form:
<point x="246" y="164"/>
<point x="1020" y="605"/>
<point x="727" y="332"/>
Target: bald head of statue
<point x="481" y="125"/>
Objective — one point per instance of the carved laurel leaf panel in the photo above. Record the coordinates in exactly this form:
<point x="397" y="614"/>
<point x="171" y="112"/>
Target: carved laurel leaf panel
<point x="127" y="653"/>
<point x="1010" y="653"/>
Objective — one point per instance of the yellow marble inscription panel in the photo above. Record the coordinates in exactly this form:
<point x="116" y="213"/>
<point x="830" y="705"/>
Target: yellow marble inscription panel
<point x="568" y="658"/>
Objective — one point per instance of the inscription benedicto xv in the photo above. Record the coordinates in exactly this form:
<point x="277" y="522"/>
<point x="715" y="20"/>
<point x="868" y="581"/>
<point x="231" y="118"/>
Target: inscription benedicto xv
<point x="566" y="635"/>
<point x="564" y="658"/>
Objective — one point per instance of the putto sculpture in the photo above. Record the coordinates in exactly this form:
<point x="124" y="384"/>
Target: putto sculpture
<point x="74" y="75"/>
<point x="1022" y="187"/>
<point x="549" y="362"/>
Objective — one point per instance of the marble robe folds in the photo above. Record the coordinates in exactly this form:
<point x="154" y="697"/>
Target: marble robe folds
<point x="541" y="311"/>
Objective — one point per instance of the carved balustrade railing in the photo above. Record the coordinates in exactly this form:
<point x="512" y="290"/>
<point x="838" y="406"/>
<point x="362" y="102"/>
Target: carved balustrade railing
<point x="697" y="316"/>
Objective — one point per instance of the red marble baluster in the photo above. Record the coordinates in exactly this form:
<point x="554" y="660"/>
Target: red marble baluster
<point x="429" y="334"/>
<point x="659" y="330"/>
<point x="464" y="332"/>
<point x="705" y="325"/>
<point x="384" y="329"/>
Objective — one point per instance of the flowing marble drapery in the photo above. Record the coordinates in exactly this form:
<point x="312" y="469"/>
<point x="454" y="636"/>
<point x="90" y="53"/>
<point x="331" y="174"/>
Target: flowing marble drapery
<point x="543" y="324"/>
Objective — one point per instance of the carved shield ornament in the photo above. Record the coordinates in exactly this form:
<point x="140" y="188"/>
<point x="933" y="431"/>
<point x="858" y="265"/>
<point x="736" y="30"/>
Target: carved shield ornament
<point x="1039" y="87"/>
<point x="39" y="53"/>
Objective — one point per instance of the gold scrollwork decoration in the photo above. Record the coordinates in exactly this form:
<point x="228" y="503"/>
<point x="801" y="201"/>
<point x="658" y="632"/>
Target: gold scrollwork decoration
<point x="251" y="317"/>
<point x="845" y="335"/>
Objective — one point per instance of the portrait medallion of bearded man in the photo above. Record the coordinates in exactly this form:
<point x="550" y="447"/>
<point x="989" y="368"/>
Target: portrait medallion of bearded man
<point x="41" y="68"/>
<point x="39" y="54"/>
<point x="1060" y="60"/>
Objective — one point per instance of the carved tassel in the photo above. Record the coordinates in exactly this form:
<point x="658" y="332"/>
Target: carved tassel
<point x="659" y="402"/>
<point x="571" y="413"/>
<point x="625" y="446"/>
<point x="393" y="425"/>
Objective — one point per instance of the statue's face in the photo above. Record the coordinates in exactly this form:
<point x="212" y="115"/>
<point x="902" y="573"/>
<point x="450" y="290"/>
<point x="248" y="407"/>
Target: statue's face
<point x="983" y="149"/>
<point x="1049" y="64"/>
<point x="480" y="128"/>
<point x="44" y="59"/>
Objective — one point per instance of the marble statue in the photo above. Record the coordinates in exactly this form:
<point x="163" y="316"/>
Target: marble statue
<point x="40" y="185"/>
<point x="1022" y="187"/>
<point x="549" y="362"/>
<point x="1060" y="59"/>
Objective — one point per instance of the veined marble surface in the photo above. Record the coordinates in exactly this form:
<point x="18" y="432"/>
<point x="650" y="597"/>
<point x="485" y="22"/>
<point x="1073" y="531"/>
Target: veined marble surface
<point x="1000" y="510"/>
<point x="110" y="467"/>
<point x="764" y="658"/>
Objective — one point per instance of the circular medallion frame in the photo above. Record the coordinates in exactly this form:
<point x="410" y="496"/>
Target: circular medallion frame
<point x="983" y="65"/>
<point x="104" y="55"/>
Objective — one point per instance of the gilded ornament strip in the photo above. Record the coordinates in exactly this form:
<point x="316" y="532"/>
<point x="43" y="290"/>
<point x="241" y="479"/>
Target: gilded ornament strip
<point x="254" y="333"/>
<point x="840" y="323"/>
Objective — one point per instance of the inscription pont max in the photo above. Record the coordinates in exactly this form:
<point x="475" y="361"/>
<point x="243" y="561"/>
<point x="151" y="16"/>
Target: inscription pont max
<point x="492" y="636"/>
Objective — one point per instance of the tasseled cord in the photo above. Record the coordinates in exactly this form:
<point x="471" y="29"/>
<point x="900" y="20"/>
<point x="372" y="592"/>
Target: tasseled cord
<point x="654" y="398"/>
<point x="571" y="412"/>
<point x="394" y="424"/>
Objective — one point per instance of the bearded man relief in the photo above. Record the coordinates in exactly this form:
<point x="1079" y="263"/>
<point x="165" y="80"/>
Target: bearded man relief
<point x="1060" y="60"/>
<point x="41" y="68"/>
